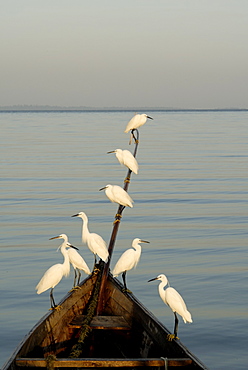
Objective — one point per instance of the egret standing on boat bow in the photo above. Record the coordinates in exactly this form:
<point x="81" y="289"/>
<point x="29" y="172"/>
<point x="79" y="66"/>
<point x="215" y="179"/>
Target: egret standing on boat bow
<point x="128" y="260"/>
<point x="174" y="300"/>
<point x="78" y="264"/>
<point x="56" y="272"/>
<point x="95" y="242"/>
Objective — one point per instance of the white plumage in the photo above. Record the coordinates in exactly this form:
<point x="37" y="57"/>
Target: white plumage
<point x="56" y="272"/>
<point x="175" y="301"/>
<point x="137" y="121"/>
<point x="126" y="158"/>
<point x="78" y="264"/>
<point x="128" y="260"/>
<point x="95" y="242"/>
<point x="118" y="195"/>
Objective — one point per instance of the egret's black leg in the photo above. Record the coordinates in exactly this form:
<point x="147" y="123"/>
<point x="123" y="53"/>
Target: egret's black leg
<point x="136" y="138"/>
<point x="174" y="336"/>
<point x="176" y="325"/>
<point x="53" y="304"/>
<point x="124" y="280"/>
<point x="75" y="278"/>
<point x="79" y="275"/>
<point x="95" y="269"/>
<point x="122" y="208"/>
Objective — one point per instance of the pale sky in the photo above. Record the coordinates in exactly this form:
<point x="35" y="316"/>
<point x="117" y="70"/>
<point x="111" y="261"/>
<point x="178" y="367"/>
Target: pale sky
<point x="130" y="53"/>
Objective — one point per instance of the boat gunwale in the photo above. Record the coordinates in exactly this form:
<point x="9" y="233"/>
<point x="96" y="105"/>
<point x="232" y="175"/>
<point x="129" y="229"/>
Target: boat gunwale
<point x="9" y="365"/>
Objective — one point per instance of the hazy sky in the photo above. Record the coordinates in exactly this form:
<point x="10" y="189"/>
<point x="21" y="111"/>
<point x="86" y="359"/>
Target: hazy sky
<point x="111" y="53"/>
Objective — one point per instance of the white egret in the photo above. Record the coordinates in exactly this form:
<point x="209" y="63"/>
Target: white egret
<point x="78" y="264"/>
<point x="174" y="300"/>
<point x="118" y="195"/>
<point x="126" y="158"/>
<point x="95" y="242"/>
<point x="56" y="272"/>
<point x="128" y="260"/>
<point x="137" y="121"/>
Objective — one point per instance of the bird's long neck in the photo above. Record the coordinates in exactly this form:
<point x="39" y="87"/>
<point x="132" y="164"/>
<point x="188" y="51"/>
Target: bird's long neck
<point x="85" y="230"/>
<point x="66" y="263"/>
<point x="137" y="248"/>
<point x="161" y="288"/>
<point x="137" y="254"/>
<point x="119" y="156"/>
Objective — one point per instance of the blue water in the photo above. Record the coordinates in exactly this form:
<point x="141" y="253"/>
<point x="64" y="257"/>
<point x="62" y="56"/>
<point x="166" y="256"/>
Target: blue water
<point x="190" y="202"/>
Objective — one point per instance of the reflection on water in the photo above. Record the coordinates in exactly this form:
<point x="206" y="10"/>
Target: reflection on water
<point x="190" y="203"/>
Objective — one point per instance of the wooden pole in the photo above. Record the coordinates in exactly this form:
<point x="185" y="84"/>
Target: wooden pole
<point x="116" y="225"/>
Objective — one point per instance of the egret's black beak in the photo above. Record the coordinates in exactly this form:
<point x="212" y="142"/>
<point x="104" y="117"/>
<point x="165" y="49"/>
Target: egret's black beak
<point x="149" y="117"/>
<point x="55" y="237"/>
<point x="112" y="151"/>
<point x="102" y="188"/>
<point x="152" y="279"/>
<point x="72" y="246"/>
<point x="75" y="215"/>
<point x="144" y="241"/>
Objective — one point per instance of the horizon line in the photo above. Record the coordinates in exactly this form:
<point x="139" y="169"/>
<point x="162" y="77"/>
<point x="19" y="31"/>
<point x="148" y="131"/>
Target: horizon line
<point x="27" y="107"/>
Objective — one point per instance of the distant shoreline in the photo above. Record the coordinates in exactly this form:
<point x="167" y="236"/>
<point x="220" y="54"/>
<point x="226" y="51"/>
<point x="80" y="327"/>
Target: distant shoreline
<point x="26" y="108"/>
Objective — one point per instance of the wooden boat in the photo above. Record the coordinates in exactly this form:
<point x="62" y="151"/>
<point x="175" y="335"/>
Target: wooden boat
<point x="125" y="334"/>
<point x="100" y="325"/>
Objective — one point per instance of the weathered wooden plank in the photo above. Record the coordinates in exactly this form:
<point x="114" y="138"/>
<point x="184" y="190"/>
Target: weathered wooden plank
<point x="49" y="328"/>
<point x="92" y="362"/>
<point x="53" y="333"/>
<point x="103" y="322"/>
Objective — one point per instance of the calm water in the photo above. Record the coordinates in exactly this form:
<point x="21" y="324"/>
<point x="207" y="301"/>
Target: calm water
<point x="191" y="203"/>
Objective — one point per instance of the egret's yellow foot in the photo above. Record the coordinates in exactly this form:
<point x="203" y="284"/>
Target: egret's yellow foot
<point x="56" y="308"/>
<point x="126" y="291"/>
<point x="170" y="337"/>
<point x="75" y="288"/>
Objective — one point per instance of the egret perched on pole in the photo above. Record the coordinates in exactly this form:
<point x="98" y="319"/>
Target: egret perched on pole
<point x="128" y="260"/>
<point x="118" y="195"/>
<point x="126" y="158"/>
<point x="95" y="242"/>
<point x="55" y="273"/>
<point x="137" y="121"/>
<point x="174" y="300"/>
<point x="78" y="264"/>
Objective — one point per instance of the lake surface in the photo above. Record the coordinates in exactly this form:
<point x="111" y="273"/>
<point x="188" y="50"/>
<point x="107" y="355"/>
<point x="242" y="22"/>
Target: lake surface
<point x="190" y="202"/>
